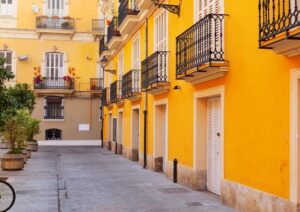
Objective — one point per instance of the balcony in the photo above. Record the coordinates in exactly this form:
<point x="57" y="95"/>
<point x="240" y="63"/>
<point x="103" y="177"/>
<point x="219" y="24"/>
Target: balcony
<point x="98" y="27"/>
<point x="113" y="34"/>
<point x="128" y="16"/>
<point x="279" y="29"/>
<point x="52" y="85"/>
<point x="54" y="112"/>
<point x="96" y="86"/>
<point x="105" y="97"/>
<point x="55" y="24"/>
<point x="103" y="50"/>
<point x="155" y="73"/>
<point x="116" y="92"/>
<point x="144" y="4"/>
<point x="131" y="85"/>
<point x="200" y="53"/>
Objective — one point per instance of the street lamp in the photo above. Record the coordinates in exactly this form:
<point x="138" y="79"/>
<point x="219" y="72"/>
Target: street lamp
<point x="104" y="63"/>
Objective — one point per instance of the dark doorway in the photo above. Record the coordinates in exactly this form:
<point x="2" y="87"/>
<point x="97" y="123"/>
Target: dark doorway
<point x="53" y="134"/>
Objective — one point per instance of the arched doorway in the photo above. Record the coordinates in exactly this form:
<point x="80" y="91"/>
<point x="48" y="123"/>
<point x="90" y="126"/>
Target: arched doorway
<point x="53" y="134"/>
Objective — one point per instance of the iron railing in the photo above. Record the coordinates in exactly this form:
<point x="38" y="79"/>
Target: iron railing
<point x="201" y="43"/>
<point x="127" y="7"/>
<point x="116" y="91"/>
<point x="131" y="83"/>
<point x="154" y="69"/>
<point x="277" y="16"/>
<point x="96" y="84"/>
<point x="112" y="29"/>
<point x="53" y="83"/>
<point x="54" y="112"/>
<point x="98" y="25"/>
<point x="105" y="98"/>
<point x="102" y="45"/>
<point x="45" y="22"/>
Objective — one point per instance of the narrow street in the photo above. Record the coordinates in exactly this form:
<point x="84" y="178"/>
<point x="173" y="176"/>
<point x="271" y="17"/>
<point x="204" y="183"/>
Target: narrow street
<point x="89" y="179"/>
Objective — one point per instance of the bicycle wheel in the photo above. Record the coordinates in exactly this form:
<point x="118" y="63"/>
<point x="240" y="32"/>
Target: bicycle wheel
<point x="7" y="196"/>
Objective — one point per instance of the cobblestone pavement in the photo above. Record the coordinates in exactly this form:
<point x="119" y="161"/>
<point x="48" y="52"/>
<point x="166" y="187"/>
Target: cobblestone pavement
<point x="91" y="179"/>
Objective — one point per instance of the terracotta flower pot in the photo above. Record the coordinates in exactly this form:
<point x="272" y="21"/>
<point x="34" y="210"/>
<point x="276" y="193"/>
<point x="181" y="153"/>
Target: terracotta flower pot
<point x="11" y="162"/>
<point x="32" y="146"/>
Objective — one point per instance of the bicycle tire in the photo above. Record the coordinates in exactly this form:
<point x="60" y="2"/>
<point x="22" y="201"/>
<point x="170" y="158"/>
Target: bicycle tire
<point x="13" y="193"/>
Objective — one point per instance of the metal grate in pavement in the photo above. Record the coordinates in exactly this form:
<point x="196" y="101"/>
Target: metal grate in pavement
<point x="194" y="204"/>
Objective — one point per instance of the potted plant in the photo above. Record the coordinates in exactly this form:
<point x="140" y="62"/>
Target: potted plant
<point x="66" y="25"/>
<point x="4" y="144"/>
<point x="14" y="131"/>
<point x="67" y="80"/>
<point x="32" y="129"/>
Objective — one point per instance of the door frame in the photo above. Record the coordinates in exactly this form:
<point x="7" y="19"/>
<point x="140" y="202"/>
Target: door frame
<point x="118" y="125"/>
<point x="198" y="137"/>
<point x="166" y="149"/>
<point x="294" y="146"/>
<point x="137" y="107"/>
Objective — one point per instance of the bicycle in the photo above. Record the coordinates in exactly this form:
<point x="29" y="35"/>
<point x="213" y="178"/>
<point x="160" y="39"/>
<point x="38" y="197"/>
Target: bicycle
<point x="7" y="196"/>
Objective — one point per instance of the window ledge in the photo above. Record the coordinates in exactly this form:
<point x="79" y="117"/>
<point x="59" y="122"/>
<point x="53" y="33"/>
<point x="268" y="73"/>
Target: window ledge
<point x="53" y="120"/>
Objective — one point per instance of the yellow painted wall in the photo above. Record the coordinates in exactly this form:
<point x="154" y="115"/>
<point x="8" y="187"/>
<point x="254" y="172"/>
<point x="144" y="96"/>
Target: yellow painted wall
<point x="257" y="90"/>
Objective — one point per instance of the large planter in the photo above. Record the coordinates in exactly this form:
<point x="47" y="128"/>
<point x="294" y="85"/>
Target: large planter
<point x="11" y="162"/>
<point x="5" y="145"/>
<point x="32" y="146"/>
<point x="26" y="155"/>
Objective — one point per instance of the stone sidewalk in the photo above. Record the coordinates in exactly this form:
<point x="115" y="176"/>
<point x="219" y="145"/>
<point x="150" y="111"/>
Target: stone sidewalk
<point x="91" y="179"/>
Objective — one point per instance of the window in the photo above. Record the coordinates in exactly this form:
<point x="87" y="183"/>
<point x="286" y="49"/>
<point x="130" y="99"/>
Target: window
<point x="54" y="65"/>
<point x="205" y="7"/>
<point x="161" y="31"/>
<point x="136" y="53"/>
<point x="6" y="8"/>
<point x="121" y="65"/>
<point x="56" y="8"/>
<point x="8" y="56"/>
<point x="54" y="107"/>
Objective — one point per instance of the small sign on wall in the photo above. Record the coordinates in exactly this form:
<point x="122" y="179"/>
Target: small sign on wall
<point x="84" y="127"/>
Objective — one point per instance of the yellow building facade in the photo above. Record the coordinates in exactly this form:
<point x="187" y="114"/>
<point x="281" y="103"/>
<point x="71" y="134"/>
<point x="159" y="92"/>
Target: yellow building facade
<point x="52" y="46"/>
<point x="218" y="82"/>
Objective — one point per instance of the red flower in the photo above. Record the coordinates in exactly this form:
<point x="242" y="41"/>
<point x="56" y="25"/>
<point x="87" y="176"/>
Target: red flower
<point x="38" y="79"/>
<point x="67" y="78"/>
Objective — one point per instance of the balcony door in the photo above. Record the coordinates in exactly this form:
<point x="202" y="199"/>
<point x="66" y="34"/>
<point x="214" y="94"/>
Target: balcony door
<point x="54" y="69"/>
<point x="161" y="44"/>
<point x="55" y="8"/>
<point x="208" y="39"/>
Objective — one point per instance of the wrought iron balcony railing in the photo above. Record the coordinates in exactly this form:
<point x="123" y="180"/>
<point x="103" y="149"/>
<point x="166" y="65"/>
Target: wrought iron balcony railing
<point x="102" y="45"/>
<point x="105" y="98"/>
<point x="45" y="22"/>
<point x="131" y="83"/>
<point x="112" y="29"/>
<point x="116" y="91"/>
<point x="154" y="69"/>
<point x="53" y="83"/>
<point x="277" y="16"/>
<point x="200" y="44"/>
<point x="98" y="25"/>
<point x="54" y="112"/>
<point x="127" y="7"/>
<point x="96" y="84"/>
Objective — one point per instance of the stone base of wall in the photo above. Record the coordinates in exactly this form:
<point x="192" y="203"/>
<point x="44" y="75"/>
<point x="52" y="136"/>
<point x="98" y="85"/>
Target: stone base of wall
<point x="195" y="180"/>
<point x="119" y="149"/>
<point x="246" y="199"/>
<point x="132" y="154"/>
<point x="114" y="147"/>
<point x="108" y="145"/>
<point x="150" y="161"/>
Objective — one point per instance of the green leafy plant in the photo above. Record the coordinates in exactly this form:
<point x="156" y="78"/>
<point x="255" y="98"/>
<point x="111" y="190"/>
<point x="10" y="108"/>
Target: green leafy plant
<point x="14" y="131"/>
<point x="32" y="129"/>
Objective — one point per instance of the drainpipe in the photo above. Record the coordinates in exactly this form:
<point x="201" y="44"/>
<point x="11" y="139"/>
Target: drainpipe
<point x="146" y="102"/>
<point x="102" y="111"/>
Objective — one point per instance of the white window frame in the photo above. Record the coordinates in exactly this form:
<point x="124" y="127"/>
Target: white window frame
<point x="54" y="58"/>
<point x="6" y="8"/>
<point x="64" y="11"/>
<point x="65" y="63"/>
<point x="13" y="63"/>
<point x="62" y="105"/>
<point x="136" y="52"/>
<point x="121" y="64"/>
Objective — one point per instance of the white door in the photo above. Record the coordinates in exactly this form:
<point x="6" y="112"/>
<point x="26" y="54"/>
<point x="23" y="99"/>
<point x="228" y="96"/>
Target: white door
<point x="54" y="65"/>
<point x="55" y="8"/>
<point x="214" y="145"/>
